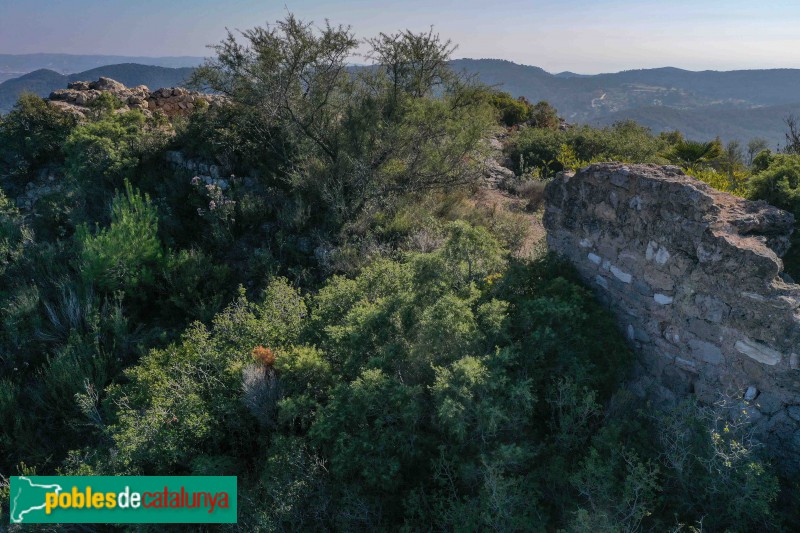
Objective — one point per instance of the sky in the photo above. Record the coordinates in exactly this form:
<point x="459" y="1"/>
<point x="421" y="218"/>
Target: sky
<point x="577" y="35"/>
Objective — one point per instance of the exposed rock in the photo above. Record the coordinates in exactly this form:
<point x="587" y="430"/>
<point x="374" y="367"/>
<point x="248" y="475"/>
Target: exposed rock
<point x="758" y="351"/>
<point x="79" y="85"/>
<point x="495" y="172"/>
<point x="107" y="84"/>
<point x="48" y="181"/>
<point x="694" y="277"/>
<point x="78" y="97"/>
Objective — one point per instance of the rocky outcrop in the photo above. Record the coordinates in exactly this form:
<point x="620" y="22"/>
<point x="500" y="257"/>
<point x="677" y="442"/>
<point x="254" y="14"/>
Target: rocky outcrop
<point x="694" y="278"/>
<point x="495" y="169"/>
<point x="79" y="96"/>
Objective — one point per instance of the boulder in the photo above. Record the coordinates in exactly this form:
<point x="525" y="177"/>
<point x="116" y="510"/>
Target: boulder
<point x="107" y="84"/>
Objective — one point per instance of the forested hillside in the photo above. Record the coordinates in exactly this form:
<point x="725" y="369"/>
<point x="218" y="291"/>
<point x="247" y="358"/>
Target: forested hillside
<point x="349" y="316"/>
<point x="736" y="105"/>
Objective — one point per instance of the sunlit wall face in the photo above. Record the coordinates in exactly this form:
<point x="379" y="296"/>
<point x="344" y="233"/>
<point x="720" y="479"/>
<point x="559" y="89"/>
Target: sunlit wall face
<point x="578" y="35"/>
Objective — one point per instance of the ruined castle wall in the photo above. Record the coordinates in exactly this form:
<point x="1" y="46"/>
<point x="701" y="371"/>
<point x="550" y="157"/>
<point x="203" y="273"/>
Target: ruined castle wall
<point x="695" y="281"/>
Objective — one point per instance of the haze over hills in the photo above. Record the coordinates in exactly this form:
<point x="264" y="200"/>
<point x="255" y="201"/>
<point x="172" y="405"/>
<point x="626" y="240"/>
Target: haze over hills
<point x="43" y="82"/>
<point x="704" y="124"/>
<point x="738" y="105"/>
<point x="661" y="86"/>
<point x="14" y="65"/>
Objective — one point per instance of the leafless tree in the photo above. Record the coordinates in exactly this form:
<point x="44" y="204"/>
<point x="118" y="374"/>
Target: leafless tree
<point x="792" y="135"/>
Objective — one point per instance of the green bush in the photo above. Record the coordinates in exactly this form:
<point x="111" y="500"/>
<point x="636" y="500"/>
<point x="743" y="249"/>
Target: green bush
<point x="32" y="135"/>
<point x="436" y="363"/>
<point x="779" y="185"/>
<point x="543" y="115"/>
<point x="101" y="155"/>
<point x="127" y="255"/>
<point x="695" y="155"/>
<point x="236" y="139"/>
<point x="512" y="110"/>
<point x="537" y="149"/>
<point x="14" y="233"/>
<point x="410" y="125"/>
<point x="542" y="150"/>
<point x="196" y="287"/>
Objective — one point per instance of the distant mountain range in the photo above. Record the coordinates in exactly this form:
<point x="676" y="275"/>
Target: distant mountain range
<point x="740" y="105"/>
<point x="12" y="65"/>
<point x="43" y="81"/>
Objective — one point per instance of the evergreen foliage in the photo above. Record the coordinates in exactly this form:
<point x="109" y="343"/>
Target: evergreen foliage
<point x="348" y="330"/>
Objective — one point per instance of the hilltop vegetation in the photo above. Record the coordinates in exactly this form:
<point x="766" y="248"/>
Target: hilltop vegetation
<point x="337" y="320"/>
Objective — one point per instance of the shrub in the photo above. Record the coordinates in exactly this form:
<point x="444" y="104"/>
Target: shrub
<point x="533" y="191"/>
<point x="537" y="149"/>
<point x="195" y="287"/>
<point x="545" y="151"/>
<point x="409" y="125"/>
<point x="101" y="155"/>
<point x="236" y="139"/>
<point x="512" y="110"/>
<point x="543" y="115"/>
<point x="14" y="233"/>
<point x="722" y="180"/>
<point x="762" y="160"/>
<point x="32" y="135"/>
<point x="127" y="255"/>
<point x="713" y="468"/>
<point x="105" y="104"/>
<point x="779" y="185"/>
<point x="695" y="155"/>
<point x="262" y="355"/>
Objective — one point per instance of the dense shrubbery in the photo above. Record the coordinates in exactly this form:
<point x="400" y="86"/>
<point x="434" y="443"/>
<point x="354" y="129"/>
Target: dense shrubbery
<point x="543" y="150"/>
<point x="512" y="110"/>
<point x="778" y="182"/>
<point x="126" y="255"/>
<point x="32" y="136"/>
<point x="395" y="356"/>
<point x="450" y="389"/>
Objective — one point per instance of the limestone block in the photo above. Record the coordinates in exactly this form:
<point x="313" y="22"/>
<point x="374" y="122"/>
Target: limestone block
<point x="758" y="351"/>
<point x="662" y="299"/>
<point x="624" y="277"/>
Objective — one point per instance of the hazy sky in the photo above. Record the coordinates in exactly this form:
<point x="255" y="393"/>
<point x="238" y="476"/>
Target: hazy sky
<point x="579" y="35"/>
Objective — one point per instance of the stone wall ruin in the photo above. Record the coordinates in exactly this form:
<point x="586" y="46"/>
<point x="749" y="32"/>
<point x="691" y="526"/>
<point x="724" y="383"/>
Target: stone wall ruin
<point x="695" y="280"/>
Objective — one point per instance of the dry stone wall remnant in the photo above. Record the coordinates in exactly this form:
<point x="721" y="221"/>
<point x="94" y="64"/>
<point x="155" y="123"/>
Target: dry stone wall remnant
<point x="694" y="278"/>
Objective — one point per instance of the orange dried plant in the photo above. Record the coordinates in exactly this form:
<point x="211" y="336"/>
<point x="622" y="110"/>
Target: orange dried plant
<point x="264" y="356"/>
